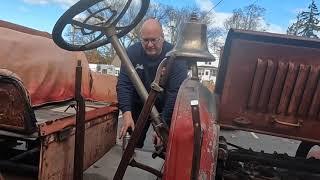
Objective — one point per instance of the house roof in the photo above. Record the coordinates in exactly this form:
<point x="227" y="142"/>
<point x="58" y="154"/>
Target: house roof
<point x="116" y="61"/>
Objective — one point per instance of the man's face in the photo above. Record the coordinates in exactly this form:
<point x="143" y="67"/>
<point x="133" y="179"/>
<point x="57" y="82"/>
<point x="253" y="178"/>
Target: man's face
<point x="152" y="42"/>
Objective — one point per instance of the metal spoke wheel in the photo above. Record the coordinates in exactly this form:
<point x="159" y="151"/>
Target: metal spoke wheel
<point x="85" y="25"/>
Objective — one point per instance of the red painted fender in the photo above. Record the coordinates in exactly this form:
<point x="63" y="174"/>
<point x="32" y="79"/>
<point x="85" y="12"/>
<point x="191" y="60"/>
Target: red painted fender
<point x="178" y="162"/>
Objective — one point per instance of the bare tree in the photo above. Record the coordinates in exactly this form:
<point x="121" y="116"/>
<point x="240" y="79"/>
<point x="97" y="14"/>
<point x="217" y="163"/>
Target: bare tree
<point x="156" y="10"/>
<point x="247" y="18"/>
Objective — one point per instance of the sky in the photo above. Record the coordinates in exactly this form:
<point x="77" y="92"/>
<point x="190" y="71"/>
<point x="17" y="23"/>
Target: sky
<point x="42" y="14"/>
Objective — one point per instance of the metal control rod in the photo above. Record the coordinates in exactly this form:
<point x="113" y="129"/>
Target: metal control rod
<point x="80" y="127"/>
<point x="140" y="124"/>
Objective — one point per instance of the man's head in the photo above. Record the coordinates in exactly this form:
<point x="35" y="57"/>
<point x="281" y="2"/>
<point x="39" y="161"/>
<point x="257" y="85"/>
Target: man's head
<point x="151" y="36"/>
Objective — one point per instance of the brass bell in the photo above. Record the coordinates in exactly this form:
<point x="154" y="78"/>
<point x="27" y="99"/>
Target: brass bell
<point x="192" y="43"/>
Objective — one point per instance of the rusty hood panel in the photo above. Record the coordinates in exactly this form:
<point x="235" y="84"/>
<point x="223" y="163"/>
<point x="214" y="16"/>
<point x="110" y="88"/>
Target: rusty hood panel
<point x="269" y="83"/>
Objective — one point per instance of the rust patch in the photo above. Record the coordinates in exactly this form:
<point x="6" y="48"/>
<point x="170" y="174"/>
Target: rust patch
<point x="12" y="108"/>
<point x="57" y="156"/>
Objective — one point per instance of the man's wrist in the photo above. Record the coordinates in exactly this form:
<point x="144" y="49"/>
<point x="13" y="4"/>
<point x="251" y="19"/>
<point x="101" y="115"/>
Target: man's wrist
<point x="125" y="108"/>
<point x="126" y="114"/>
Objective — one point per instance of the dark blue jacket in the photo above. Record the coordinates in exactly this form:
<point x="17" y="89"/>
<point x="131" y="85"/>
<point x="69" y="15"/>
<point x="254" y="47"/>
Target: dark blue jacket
<point x="146" y="68"/>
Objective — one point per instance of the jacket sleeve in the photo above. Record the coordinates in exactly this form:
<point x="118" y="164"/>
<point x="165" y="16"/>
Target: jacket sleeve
<point x="125" y="90"/>
<point x="177" y="75"/>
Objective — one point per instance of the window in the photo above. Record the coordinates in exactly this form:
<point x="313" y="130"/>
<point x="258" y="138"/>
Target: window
<point x="200" y="72"/>
<point x="214" y="72"/>
<point x="207" y="73"/>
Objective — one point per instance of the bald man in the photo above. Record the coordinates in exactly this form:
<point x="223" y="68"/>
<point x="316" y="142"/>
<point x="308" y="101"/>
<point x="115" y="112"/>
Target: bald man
<point x="146" y="56"/>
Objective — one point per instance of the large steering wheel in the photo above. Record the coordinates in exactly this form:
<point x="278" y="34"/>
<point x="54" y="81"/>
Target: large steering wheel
<point x="89" y="20"/>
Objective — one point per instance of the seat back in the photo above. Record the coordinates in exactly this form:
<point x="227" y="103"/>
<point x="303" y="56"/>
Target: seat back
<point x="269" y="83"/>
<point x="16" y="113"/>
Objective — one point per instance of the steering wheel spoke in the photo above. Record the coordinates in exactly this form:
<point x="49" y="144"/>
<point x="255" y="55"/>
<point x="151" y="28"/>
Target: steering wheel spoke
<point x="124" y="10"/>
<point x="82" y="25"/>
<point x="121" y="28"/>
<point x="100" y="17"/>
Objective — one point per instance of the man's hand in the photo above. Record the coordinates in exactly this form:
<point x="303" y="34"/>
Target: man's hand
<point x="127" y="122"/>
<point x="156" y="139"/>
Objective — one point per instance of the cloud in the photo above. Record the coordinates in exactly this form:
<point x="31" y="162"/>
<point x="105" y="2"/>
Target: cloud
<point x="220" y="18"/>
<point x="63" y="3"/>
<point x="204" y="5"/>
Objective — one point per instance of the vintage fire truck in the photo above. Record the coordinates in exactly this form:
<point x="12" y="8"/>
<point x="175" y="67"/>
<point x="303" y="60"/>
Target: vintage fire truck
<point x="65" y="118"/>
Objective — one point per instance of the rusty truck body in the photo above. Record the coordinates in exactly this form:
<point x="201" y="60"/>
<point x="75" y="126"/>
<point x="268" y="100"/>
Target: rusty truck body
<point x="37" y="124"/>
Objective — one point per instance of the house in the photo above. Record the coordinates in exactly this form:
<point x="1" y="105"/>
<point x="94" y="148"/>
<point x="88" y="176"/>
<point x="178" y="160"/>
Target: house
<point x="207" y="71"/>
<point x="111" y="69"/>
